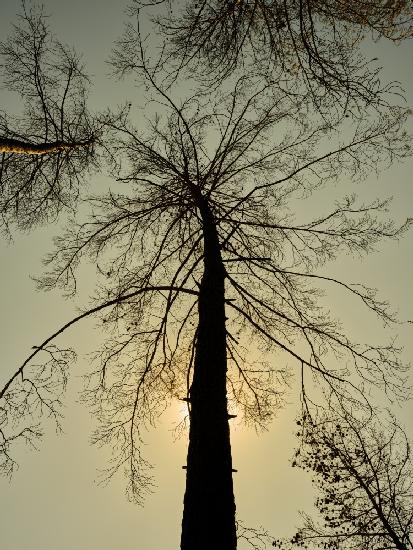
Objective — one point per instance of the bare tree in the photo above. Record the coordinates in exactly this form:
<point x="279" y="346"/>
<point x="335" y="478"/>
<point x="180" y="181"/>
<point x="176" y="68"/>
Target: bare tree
<point x="49" y="148"/>
<point x="364" y="473"/>
<point x="315" y="43"/>
<point x="202" y="260"/>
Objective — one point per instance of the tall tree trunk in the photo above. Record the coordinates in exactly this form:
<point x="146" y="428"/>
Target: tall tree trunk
<point x="209" y="507"/>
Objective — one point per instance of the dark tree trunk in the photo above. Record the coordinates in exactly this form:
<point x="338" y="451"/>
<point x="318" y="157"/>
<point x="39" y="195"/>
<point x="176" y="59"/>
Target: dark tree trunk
<point x="209" y="507"/>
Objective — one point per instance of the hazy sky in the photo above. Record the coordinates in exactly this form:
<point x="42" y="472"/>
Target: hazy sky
<point x="53" y="501"/>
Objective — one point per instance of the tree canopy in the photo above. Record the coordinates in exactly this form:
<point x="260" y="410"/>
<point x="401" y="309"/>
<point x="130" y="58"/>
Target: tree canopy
<point x="48" y="149"/>
<point x="363" y="470"/>
<point x="207" y="266"/>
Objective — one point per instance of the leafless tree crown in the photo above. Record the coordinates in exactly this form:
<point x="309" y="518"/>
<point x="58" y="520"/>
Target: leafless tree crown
<point x="234" y="162"/>
<point x="47" y="149"/>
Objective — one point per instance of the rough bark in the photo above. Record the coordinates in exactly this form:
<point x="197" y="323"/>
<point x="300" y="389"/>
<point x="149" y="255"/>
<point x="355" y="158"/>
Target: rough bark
<point x="209" y="505"/>
<point x="8" y="145"/>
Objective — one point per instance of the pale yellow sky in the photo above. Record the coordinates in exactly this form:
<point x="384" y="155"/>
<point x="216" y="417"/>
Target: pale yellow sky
<point x="52" y="501"/>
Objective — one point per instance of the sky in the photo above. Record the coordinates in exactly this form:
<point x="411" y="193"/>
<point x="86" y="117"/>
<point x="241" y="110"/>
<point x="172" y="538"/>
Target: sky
<point x="53" y="500"/>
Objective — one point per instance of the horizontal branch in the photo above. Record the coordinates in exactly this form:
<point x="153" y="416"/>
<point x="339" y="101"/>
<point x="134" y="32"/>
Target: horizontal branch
<point x="8" y="145"/>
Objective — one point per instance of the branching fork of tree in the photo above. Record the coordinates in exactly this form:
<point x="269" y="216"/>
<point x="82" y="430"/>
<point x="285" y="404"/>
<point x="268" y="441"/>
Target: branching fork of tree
<point x="207" y="256"/>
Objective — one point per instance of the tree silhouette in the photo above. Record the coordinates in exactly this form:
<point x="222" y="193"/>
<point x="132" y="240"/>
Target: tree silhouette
<point x="363" y="470"/>
<point x="203" y="260"/>
<point x="311" y="42"/>
<point x="47" y="150"/>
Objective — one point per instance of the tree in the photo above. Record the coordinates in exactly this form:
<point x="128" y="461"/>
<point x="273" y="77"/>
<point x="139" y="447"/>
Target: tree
<point x="49" y="149"/>
<point x="313" y="43"/>
<point x="363" y="471"/>
<point x="205" y="221"/>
